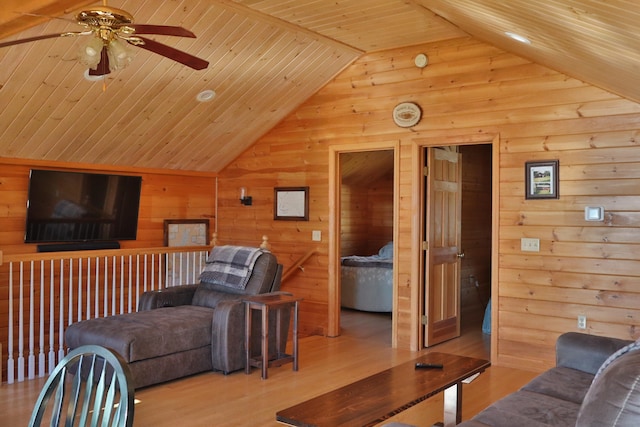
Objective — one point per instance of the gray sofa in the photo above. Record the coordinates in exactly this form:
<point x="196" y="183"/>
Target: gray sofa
<point x="185" y="330"/>
<point x="571" y="394"/>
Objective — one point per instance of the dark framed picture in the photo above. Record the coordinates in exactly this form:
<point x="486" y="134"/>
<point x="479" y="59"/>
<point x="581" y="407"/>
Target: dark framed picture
<point x="541" y="179"/>
<point x="291" y="203"/>
<point x="186" y="232"/>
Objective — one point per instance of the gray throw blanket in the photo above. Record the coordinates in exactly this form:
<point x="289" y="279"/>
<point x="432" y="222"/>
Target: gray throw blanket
<point x="230" y="266"/>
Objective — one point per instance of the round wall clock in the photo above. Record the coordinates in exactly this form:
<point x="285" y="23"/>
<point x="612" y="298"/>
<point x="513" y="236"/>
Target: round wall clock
<point x="407" y="114"/>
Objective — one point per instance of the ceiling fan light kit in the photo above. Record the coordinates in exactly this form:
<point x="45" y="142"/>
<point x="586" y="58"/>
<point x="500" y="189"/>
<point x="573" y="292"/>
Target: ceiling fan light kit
<point x="89" y="54"/>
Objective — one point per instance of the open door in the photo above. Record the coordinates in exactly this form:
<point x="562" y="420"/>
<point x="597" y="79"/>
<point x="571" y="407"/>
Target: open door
<point x="442" y="255"/>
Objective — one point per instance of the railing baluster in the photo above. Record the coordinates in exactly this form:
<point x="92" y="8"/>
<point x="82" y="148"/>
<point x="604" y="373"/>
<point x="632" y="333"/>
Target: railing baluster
<point x="21" y="326"/>
<point x="137" y="280"/>
<point x="61" y="315"/>
<point x="105" y="297"/>
<point x="153" y="270"/>
<point x="70" y="302"/>
<point x="10" y="361"/>
<point x="52" y="318"/>
<point x="41" y="356"/>
<point x="80" y="293"/>
<point x="32" y="295"/>
<point x="88" y="314"/>
<point x="113" y="285"/>
<point x="144" y="272"/>
<point x="121" y="284"/>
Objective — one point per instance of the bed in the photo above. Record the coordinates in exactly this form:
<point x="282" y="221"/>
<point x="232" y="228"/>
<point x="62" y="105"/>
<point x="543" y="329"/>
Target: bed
<point x="367" y="281"/>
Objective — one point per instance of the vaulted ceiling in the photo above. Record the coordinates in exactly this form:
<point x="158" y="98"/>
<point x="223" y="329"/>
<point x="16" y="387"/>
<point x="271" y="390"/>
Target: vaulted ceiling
<point x="266" y="58"/>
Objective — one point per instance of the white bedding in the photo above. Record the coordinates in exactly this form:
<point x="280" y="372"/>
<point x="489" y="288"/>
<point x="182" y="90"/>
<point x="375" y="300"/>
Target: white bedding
<point x="367" y="282"/>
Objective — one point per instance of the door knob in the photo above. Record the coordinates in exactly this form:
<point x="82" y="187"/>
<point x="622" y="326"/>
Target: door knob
<point x="460" y="255"/>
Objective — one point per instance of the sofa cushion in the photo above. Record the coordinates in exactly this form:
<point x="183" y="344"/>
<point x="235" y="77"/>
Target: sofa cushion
<point x="527" y="409"/>
<point x="562" y="383"/>
<point x="146" y="334"/>
<point x="613" y="400"/>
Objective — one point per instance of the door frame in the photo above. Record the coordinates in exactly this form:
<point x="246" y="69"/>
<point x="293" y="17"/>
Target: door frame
<point x="418" y="292"/>
<point x="333" y="328"/>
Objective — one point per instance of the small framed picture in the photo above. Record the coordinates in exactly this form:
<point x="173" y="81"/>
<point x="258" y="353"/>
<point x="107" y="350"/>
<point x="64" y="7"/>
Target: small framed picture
<point x="186" y="232"/>
<point x="291" y="203"/>
<point x="541" y="180"/>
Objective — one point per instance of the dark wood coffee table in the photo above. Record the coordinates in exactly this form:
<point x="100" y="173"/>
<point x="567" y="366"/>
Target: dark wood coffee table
<point x="379" y="397"/>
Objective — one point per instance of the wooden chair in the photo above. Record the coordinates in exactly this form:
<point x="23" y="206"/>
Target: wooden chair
<point x="91" y="386"/>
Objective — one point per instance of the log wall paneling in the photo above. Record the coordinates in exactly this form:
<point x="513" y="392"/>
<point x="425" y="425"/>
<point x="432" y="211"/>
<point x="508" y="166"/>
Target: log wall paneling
<point x="354" y="221"/>
<point x="471" y="91"/>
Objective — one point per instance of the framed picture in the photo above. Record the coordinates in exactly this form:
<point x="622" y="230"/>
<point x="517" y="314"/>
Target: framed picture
<point x="186" y="232"/>
<point x="291" y="203"/>
<point x="541" y="180"/>
<point x="179" y="268"/>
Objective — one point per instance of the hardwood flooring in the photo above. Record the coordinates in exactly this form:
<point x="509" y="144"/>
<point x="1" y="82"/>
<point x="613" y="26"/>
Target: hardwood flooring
<point x="213" y="399"/>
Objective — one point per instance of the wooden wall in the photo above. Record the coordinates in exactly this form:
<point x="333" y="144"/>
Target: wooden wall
<point x="366" y="215"/>
<point x="470" y="92"/>
<point x="164" y="195"/>
<point x="353" y="221"/>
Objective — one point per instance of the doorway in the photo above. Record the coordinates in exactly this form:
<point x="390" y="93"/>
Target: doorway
<point x="367" y="160"/>
<point x="457" y="230"/>
<point x="366" y="240"/>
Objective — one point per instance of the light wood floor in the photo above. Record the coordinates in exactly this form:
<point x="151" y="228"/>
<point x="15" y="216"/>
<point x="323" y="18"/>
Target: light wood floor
<point x="213" y="399"/>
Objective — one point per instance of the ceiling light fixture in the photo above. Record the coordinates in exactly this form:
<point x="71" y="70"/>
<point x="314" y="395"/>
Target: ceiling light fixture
<point x="206" y="95"/>
<point x="518" y="37"/>
<point x="117" y="54"/>
<point x="93" y="78"/>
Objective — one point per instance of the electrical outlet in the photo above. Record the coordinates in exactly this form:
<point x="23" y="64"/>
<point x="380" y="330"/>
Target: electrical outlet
<point x="582" y="322"/>
<point x="529" y="245"/>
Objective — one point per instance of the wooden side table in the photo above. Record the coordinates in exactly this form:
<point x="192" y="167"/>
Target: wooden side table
<point x="278" y="301"/>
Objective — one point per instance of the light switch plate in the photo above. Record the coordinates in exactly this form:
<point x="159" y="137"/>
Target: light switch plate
<point x="316" y="235"/>
<point x="594" y="213"/>
<point x="529" y="244"/>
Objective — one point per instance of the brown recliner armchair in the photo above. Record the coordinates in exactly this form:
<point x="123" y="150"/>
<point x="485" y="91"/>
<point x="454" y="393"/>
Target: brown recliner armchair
<point x="187" y="329"/>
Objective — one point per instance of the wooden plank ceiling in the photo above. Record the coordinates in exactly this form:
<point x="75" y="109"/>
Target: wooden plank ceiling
<point x="266" y="58"/>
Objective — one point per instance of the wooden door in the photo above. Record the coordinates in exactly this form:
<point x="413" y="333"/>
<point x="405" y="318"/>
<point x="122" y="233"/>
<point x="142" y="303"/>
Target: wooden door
<point x="442" y="245"/>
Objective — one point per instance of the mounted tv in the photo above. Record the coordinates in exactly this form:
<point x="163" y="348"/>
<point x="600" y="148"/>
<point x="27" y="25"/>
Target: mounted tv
<point x="81" y="207"/>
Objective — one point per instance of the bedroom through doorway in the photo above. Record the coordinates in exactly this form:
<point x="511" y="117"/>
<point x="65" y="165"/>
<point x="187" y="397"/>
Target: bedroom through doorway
<point x="366" y="243"/>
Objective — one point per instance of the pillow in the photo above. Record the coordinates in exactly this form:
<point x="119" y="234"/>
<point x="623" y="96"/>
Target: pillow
<point x="613" y="400"/>
<point x="386" y="251"/>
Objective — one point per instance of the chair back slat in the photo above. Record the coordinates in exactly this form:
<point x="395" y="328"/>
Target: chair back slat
<point x="91" y="386"/>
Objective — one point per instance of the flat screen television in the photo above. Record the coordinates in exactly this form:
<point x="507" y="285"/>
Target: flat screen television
<point x="70" y="207"/>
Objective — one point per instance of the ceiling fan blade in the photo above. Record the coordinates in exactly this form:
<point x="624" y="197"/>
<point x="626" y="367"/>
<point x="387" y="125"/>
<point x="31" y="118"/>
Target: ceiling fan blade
<point x="32" y="39"/>
<point x="103" y="66"/>
<point x="174" y="54"/>
<point x="165" y="30"/>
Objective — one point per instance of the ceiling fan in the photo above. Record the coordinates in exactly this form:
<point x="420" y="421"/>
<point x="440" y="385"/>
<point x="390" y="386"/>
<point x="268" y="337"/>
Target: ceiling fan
<point x="111" y="30"/>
